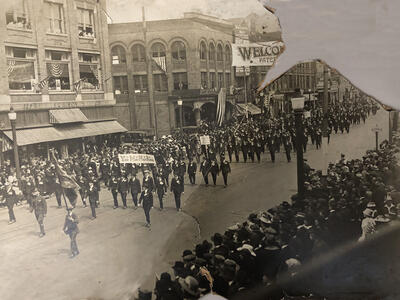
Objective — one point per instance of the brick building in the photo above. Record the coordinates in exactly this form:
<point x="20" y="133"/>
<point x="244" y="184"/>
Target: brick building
<point x="190" y="61"/>
<point x="55" y="73"/>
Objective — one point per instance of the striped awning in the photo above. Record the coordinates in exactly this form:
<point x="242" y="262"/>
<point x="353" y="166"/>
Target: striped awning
<point x="64" y="116"/>
<point x="31" y="136"/>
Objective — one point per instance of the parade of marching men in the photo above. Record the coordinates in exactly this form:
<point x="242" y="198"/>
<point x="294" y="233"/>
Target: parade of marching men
<point x="149" y="159"/>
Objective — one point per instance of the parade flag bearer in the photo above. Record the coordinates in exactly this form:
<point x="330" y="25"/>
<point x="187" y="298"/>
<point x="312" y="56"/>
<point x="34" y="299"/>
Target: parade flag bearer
<point x="71" y="228"/>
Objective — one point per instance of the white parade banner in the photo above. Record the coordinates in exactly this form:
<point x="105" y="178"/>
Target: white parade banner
<point x="256" y="54"/>
<point x="136" y="158"/>
<point x="205" y="140"/>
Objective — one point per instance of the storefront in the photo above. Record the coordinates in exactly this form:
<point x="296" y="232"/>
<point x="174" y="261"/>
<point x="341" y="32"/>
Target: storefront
<point x="68" y="132"/>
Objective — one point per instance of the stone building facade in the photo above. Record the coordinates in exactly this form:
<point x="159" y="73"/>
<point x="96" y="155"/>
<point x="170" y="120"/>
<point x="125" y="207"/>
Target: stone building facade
<point x="54" y="55"/>
<point x="158" y="63"/>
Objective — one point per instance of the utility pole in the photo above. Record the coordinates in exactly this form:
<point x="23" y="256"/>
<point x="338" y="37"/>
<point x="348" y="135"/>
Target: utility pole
<point x="325" y="122"/>
<point x="152" y="110"/>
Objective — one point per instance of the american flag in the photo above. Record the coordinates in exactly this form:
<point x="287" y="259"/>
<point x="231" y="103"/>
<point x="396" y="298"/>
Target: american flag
<point x="161" y="63"/>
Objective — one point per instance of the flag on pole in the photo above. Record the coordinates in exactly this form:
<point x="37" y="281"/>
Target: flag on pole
<point x="221" y="106"/>
<point x="66" y="180"/>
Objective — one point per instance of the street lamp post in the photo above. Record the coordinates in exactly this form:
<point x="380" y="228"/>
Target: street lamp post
<point x="12" y="116"/>
<point x="180" y="103"/>
<point x="298" y="108"/>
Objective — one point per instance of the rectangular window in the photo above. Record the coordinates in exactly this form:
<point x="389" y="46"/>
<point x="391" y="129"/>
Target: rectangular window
<point x="160" y="82"/>
<point x="120" y="85"/>
<point x="89" y="72"/>
<point x="21" y="68"/>
<point x="212" y="80"/>
<point x="86" y="23"/>
<point x="220" y="80"/>
<point x="180" y="81"/>
<point x="55" y="16"/>
<point x="17" y="14"/>
<point x="58" y="70"/>
<point x="228" y="80"/>
<point x="140" y="83"/>
<point x="204" y="80"/>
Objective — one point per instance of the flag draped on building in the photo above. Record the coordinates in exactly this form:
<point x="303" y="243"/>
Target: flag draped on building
<point x="221" y="106"/>
<point x="161" y="63"/>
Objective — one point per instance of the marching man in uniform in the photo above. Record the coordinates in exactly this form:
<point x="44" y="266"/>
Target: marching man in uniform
<point x="192" y="168"/>
<point x="71" y="228"/>
<point x="205" y="168"/>
<point x="225" y="169"/>
<point x="147" y="198"/>
<point x="39" y="206"/>
<point x="177" y="188"/>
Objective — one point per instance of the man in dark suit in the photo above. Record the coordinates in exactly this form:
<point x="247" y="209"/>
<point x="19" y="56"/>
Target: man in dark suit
<point x="123" y="187"/>
<point x="205" y="169"/>
<point x="147" y="198"/>
<point x="177" y="188"/>
<point x="148" y="181"/>
<point x="113" y="186"/>
<point x="134" y="185"/>
<point x="214" y="170"/>
<point x="225" y="169"/>
<point x="192" y="168"/>
<point x="71" y="228"/>
<point x="92" y="195"/>
<point x="39" y="206"/>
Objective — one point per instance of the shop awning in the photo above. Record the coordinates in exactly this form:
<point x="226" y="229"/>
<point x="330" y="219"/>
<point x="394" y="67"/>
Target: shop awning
<point x="66" y="132"/>
<point x="251" y="108"/>
<point x="63" y="116"/>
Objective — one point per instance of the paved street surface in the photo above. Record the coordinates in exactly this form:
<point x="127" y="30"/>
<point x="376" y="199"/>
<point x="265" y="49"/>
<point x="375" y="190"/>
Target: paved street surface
<point x="119" y="254"/>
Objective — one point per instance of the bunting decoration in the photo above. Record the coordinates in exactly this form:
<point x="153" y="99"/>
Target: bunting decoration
<point x="10" y="67"/>
<point x="55" y="70"/>
<point x="161" y="63"/>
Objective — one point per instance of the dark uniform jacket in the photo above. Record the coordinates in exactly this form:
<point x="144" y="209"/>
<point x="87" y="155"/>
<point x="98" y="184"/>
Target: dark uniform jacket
<point x="123" y="185"/>
<point x="147" y="199"/>
<point x="225" y="167"/>
<point x="71" y="223"/>
<point x="192" y="168"/>
<point x="177" y="186"/>
<point x="149" y="183"/>
<point x="134" y="185"/>
<point x="205" y="167"/>
<point x="39" y="205"/>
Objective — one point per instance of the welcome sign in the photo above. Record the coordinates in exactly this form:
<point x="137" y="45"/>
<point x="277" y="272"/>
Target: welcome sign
<point x="256" y="54"/>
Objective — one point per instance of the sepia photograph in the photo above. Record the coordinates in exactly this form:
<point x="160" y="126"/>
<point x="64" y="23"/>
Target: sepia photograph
<point x="147" y="154"/>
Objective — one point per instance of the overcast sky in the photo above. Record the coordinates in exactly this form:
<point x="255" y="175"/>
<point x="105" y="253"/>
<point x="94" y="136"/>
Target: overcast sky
<point x="131" y="10"/>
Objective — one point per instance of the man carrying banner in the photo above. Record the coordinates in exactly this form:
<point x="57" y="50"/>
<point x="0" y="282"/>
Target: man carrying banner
<point x="67" y="182"/>
<point x="134" y="185"/>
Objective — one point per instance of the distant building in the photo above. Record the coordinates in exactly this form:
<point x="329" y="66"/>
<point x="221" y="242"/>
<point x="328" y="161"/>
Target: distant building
<point x="56" y="73"/>
<point x="187" y="59"/>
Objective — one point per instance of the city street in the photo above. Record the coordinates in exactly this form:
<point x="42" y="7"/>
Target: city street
<point x="119" y="254"/>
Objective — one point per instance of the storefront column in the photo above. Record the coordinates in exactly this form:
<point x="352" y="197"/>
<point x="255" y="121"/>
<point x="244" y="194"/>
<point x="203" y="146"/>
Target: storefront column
<point x="197" y="114"/>
<point x="64" y="151"/>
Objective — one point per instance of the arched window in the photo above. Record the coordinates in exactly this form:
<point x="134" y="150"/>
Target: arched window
<point x="138" y="53"/>
<point x="178" y="50"/>
<point x="211" y="52"/>
<point x="220" y="53"/>
<point x="203" y="51"/>
<point x="157" y="50"/>
<point x="118" y="55"/>
<point x="227" y="55"/>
